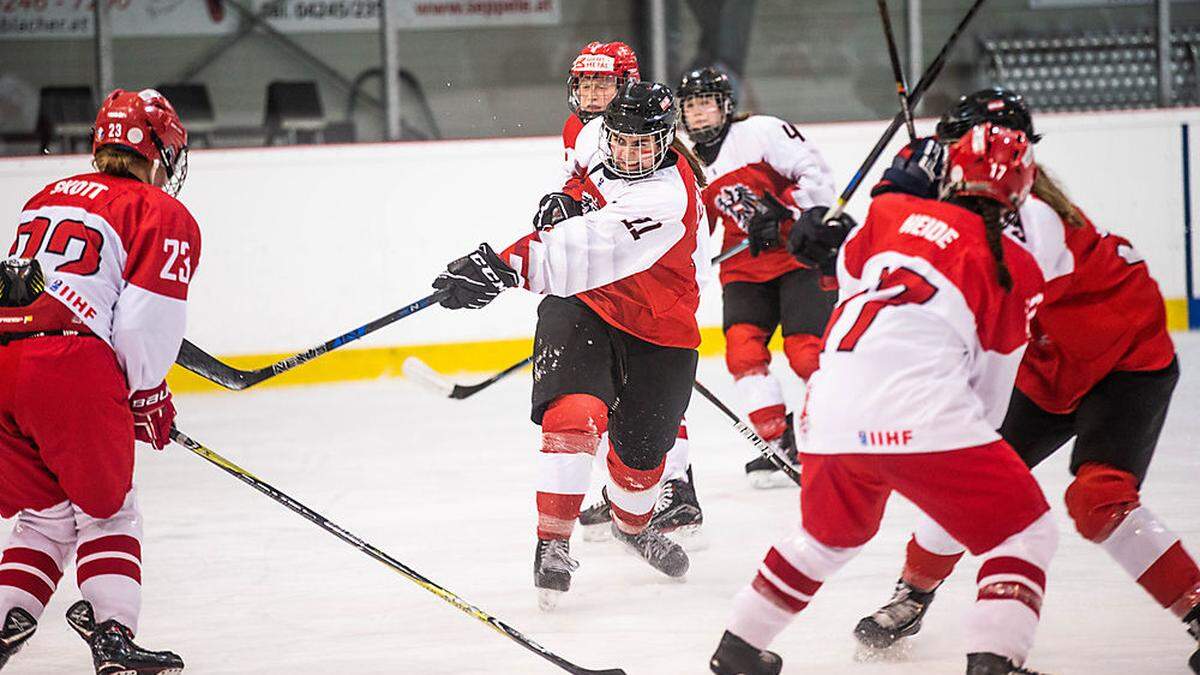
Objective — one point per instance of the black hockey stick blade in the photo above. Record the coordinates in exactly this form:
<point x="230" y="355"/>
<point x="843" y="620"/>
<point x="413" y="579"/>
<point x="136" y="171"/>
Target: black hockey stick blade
<point x="418" y="371"/>
<point x="914" y="97"/>
<point x="210" y="368"/>
<point x="396" y="566"/>
<point x="749" y="434"/>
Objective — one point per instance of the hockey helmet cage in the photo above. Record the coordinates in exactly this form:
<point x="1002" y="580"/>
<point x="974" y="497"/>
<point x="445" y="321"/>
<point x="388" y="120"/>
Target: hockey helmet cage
<point x="710" y="81"/>
<point x="639" y="111"/>
<point x="600" y="59"/>
<point x="997" y="105"/>
<point x="993" y="162"/>
<point x="144" y="123"/>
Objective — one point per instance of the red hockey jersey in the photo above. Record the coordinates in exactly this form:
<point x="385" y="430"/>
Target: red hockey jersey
<point x="1104" y="313"/>
<point x="921" y="352"/>
<point x="763" y="154"/>
<point x="119" y="254"/>
<point x="634" y="257"/>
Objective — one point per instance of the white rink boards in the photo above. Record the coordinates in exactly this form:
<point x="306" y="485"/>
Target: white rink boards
<point x="237" y="584"/>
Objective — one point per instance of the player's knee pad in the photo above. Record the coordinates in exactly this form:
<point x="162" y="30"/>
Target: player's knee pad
<point x="574" y="423"/>
<point x="803" y="353"/>
<point x="1099" y="499"/>
<point x="746" y="350"/>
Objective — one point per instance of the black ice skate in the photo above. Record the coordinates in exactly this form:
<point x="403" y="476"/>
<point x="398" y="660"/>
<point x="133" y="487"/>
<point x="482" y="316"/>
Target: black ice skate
<point x="18" y="627"/>
<point x="762" y="472"/>
<point x="983" y="663"/>
<point x="113" y="649"/>
<point x="595" y="519"/>
<point x="552" y="567"/>
<point x="1193" y="624"/>
<point x="677" y="512"/>
<point x="899" y="618"/>
<point x="735" y="656"/>
<point x="652" y="546"/>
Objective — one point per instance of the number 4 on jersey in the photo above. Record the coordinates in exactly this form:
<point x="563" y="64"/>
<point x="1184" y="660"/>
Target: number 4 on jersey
<point x="909" y="287"/>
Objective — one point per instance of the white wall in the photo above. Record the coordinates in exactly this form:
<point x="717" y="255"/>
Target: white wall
<point x="301" y="244"/>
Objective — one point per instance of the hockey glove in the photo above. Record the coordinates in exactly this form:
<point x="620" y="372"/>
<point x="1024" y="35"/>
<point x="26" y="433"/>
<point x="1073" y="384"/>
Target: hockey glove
<point x="815" y="242"/>
<point x="763" y="228"/>
<point x="916" y="170"/>
<point x="555" y="208"/>
<point x="475" y="279"/>
<point x="153" y="415"/>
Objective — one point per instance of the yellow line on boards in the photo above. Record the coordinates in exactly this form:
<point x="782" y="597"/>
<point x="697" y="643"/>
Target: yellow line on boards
<point x="478" y="357"/>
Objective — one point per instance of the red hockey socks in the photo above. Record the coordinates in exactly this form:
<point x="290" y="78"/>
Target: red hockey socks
<point x="571" y="430"/>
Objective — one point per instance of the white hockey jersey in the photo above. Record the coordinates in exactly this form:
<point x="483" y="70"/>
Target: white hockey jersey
<point x="119" y="254"/>
<point x="635" y="256"/>
<point x="922" y="350"/>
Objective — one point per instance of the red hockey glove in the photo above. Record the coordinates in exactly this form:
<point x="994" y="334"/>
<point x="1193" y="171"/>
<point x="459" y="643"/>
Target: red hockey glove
<point x="153" y="415"/>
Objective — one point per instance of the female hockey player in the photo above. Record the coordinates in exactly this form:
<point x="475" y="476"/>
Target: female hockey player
<point x="615" y="347"/>
<point x="916" y="367"/>
<point x="1101" y="367"/>
<point x="762" y="174"/>
<point x="91" y="317"/>
<point x="596" y="74"/>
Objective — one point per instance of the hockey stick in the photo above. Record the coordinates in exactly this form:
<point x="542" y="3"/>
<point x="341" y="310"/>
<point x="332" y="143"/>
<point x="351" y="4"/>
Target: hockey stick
<point x="409" y="573"/>
<point x="210" y="368"/>
<point x="761" y="445"/>
<point x="914" y="97"/>
<point x="897" y="71"/>
<point x="418" y="371"/>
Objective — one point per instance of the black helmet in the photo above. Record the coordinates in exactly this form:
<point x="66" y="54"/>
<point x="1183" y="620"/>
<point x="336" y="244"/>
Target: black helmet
<point x="710" y="81"/>
<point x="640" y="109"/>
<point x="997" y="105"/>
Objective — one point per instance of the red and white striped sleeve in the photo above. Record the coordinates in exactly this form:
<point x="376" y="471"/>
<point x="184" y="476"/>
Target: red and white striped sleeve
<point x="163" y="244"/>
<point x="626" y="236"/>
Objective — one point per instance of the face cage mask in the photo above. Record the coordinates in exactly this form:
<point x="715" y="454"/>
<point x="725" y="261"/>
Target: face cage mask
<point x="662" y="139"/>
<point x="586" y="116"/>
<point x="176" y="170"/>
<point x="713" y="131"/>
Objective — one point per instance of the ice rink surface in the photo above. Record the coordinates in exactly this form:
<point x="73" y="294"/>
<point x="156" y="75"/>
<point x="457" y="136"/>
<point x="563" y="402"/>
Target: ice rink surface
<point x="236" y="583"/>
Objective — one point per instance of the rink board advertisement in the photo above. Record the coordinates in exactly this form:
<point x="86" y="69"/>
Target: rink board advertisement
<point x="34" y="19"/>
<point x="272" y="218"/>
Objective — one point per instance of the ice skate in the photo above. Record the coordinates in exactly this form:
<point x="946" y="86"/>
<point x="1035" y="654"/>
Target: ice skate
<point x="1193" y="623"/>
<point x="677" y="513"/>
<point x="899" y="618"/>
<point x="113" y="649"/>
<point x="18" y="627"/>
<point x="983" y="663"/>
<point x="652" y="546"/>
<point x="735" y="656"/>
<point x="762" y="472"/>
<point x="552" y="567"/>
<point x="594" y="520"/>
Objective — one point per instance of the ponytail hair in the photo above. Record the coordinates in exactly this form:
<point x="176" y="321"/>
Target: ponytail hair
<point x="994" y="215"/>
<point x="1048" y="190"/>
<point x="692" y="160"/>
<point x="117" y="162"/>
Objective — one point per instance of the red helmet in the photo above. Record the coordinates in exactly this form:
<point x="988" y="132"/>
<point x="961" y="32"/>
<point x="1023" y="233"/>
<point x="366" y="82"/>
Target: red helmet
<point x="993" y="162"/>
<point x="601" y="59"/>
<point x="144" y="122"/>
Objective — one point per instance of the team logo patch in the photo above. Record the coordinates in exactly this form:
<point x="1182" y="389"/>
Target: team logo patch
<point x="594" y="63"/>
<point x="135" y="135"/>
<point x="737" y="202"/>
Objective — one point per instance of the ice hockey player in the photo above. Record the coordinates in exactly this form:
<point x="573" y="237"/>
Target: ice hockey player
<point x="943" y="275"/>
<point x="1101" y="367"/>
<point x="598" y="72"/>
<point x="762" y="174"/>
<point x="92" y="312"/>
<point x="615" y="346"/>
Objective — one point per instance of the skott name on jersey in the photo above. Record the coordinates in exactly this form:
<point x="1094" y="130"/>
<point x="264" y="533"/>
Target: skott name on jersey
<point x="85" y="188"/>
<point x="930" y="228"/>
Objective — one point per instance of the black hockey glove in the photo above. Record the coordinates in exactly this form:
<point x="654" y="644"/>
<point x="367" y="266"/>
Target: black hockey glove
<point x="763" y="228"/>
<point x="475" y="279"/>
<point x="555" y="208"/>
<point x="916" y="170"/>
<point x="815" y="242"/>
